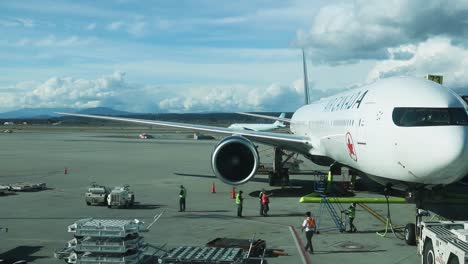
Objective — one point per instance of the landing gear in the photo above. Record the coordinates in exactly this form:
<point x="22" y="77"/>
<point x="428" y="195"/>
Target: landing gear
<point x="410" y="234"/>
<point x="280" y="175"/>
<point x="413" y="231"/>
<point x="279" y="178"/>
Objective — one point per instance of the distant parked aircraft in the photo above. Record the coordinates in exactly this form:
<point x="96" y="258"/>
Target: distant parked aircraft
<point x="259" y="127"/>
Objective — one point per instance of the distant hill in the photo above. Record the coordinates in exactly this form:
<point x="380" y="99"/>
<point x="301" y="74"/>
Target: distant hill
<point x="103" y="111"/>
<point x="35" y="112"/>
<point x="43" y="113"/>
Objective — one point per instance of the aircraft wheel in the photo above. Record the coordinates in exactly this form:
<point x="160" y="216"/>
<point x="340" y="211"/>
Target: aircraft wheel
<point x="453" y="260"/>
<point x="410" y="234"/>
<point x="428" y="253"/>
<point x="88" y="203"/>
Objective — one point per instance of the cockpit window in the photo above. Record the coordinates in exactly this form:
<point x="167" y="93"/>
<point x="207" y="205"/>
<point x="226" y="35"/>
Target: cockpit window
<point x="410" y="117"/>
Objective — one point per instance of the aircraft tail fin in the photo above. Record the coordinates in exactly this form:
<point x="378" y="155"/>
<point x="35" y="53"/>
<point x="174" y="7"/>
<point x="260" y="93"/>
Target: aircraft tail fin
<point x="278" y="122"/>
<point x="306" y="81"/>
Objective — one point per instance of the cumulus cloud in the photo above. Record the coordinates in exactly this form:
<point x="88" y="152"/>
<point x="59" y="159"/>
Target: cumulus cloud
<point x="435" y="56"/>
<point x="64" y="92"/>
<point x="114" y="91"/>
<point x="365" y="29"/>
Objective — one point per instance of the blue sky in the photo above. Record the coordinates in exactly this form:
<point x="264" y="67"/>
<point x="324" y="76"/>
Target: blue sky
<point x="192" y="56"/>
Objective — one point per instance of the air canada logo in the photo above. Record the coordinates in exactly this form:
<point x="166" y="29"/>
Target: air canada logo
<point x="350" y="146"/>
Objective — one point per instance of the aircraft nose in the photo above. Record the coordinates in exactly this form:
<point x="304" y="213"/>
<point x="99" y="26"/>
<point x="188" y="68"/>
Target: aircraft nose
<point x="440" y="160"/>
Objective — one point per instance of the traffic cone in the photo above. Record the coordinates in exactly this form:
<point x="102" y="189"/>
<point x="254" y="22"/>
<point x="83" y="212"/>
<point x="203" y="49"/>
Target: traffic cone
<point x="233" y="193"/>
<point x="213" y="189"/>
<point x="65" y="171"/>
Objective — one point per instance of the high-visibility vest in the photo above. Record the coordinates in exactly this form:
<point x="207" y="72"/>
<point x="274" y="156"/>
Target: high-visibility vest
<point x="310" y="222"/>
<point x="183" y="193"/>
<point x="238" y="199"/>
<point x="351" y="212"/>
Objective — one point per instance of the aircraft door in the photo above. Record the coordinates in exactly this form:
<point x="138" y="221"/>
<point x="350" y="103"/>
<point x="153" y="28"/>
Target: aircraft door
<point x="361" y="138"/>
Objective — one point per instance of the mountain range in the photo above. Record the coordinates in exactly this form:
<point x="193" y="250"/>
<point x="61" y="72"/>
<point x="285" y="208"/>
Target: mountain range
<point x="51" y="112"/>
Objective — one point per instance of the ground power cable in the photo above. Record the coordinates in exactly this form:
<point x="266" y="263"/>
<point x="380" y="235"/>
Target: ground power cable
<point x="389" y="223"/>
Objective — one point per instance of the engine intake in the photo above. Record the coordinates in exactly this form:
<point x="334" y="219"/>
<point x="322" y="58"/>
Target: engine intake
<point x="235" y="160"/>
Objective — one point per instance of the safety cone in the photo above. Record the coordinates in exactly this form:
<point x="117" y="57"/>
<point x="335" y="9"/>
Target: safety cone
<point x="65" y="171"/>
<point x="233" y="193"/>
<point x="213" y="189"/>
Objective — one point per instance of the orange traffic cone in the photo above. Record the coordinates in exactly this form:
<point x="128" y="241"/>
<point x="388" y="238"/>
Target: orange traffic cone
<point x="213" y="189"/>
<point x="65" y="171"/>
<point x="233" y="193"/>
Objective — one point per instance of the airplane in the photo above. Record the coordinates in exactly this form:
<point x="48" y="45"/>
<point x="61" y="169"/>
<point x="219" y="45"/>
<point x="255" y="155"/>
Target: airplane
<point x="260" y="127"/>
<point x="409" y="132"/>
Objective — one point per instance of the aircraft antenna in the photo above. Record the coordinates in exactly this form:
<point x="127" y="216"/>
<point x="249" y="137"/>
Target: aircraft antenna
<point x="306" y="81"/>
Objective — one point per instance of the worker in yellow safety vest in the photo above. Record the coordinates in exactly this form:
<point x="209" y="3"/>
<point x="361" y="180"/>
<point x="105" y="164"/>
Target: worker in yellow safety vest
<point x="351" y="212"/>
<point x="182" y="196"/>
<point x="239" y="202"/>
<point x="309" y="226"/>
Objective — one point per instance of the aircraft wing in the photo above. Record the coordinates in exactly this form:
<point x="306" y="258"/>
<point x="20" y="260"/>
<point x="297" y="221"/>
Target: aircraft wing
<point x="282" y="119"/>
<point x="287" y="141"/>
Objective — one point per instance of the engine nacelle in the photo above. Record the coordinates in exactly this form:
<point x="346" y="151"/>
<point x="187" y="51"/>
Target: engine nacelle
<point x="235" y="160"/>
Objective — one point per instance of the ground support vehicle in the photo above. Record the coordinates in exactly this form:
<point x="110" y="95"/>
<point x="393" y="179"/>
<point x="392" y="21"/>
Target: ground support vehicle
<point x="27" y="186"/>
<point x="4" y="189"/>
<point x="443" y="242"/>
<point x="97" y="194"/>
<point x="121" y="196"/>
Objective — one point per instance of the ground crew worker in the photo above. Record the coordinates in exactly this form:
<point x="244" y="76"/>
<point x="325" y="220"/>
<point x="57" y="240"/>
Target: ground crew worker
<point x="239" y="202"/>
<point x="182" y="196"/>
<point x="260" y="199"/>
<point x="265" y="204"/>
<point x="351" y="212"/>
<point x="309" y="226"/>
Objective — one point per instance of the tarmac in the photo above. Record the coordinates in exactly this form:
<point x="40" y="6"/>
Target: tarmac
<point x="155" y="168"/>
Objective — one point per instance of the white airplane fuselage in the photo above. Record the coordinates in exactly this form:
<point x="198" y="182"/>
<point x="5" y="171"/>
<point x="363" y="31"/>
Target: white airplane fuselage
<point x="373" y="129"/>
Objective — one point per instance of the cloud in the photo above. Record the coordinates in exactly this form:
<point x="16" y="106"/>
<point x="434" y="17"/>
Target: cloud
<point x="65" y="92"/>
<point x="273" y="98"/>
<point x="114" y="91"/>
<point x="116" y="25"/>
<point x="53" y="41"/>
<point x="437" y="55"/>
<point x="365" y="29"/>
<point x="137" y="29"/>
<point x="17" y="22"/>
<point x="91" y="26"/>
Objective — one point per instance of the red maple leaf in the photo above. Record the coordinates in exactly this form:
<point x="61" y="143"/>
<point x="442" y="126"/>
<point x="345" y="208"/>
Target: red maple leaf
<point x="350" y="147"/>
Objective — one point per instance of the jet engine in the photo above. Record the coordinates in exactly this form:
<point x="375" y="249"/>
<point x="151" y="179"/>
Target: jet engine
<point x="235" y="160"/>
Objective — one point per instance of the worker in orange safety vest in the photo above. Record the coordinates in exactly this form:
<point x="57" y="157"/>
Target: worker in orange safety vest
<point x="265" y="203"/>
<point x="309" y="225"/>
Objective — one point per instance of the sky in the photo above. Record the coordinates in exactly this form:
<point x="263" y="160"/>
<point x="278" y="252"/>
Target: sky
<point x="219" y="56"/>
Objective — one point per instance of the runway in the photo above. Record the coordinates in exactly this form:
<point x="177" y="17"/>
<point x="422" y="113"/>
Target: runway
<point x="155" y="168"/>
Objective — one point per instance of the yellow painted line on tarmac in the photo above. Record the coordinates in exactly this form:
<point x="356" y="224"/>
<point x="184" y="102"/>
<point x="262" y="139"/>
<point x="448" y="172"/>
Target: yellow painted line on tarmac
<point x="374" y="213"/>
<point x="312" y="198"/>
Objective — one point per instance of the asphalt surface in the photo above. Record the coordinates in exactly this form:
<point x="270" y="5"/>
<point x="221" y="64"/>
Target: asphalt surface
<point x="155" y="168"/>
